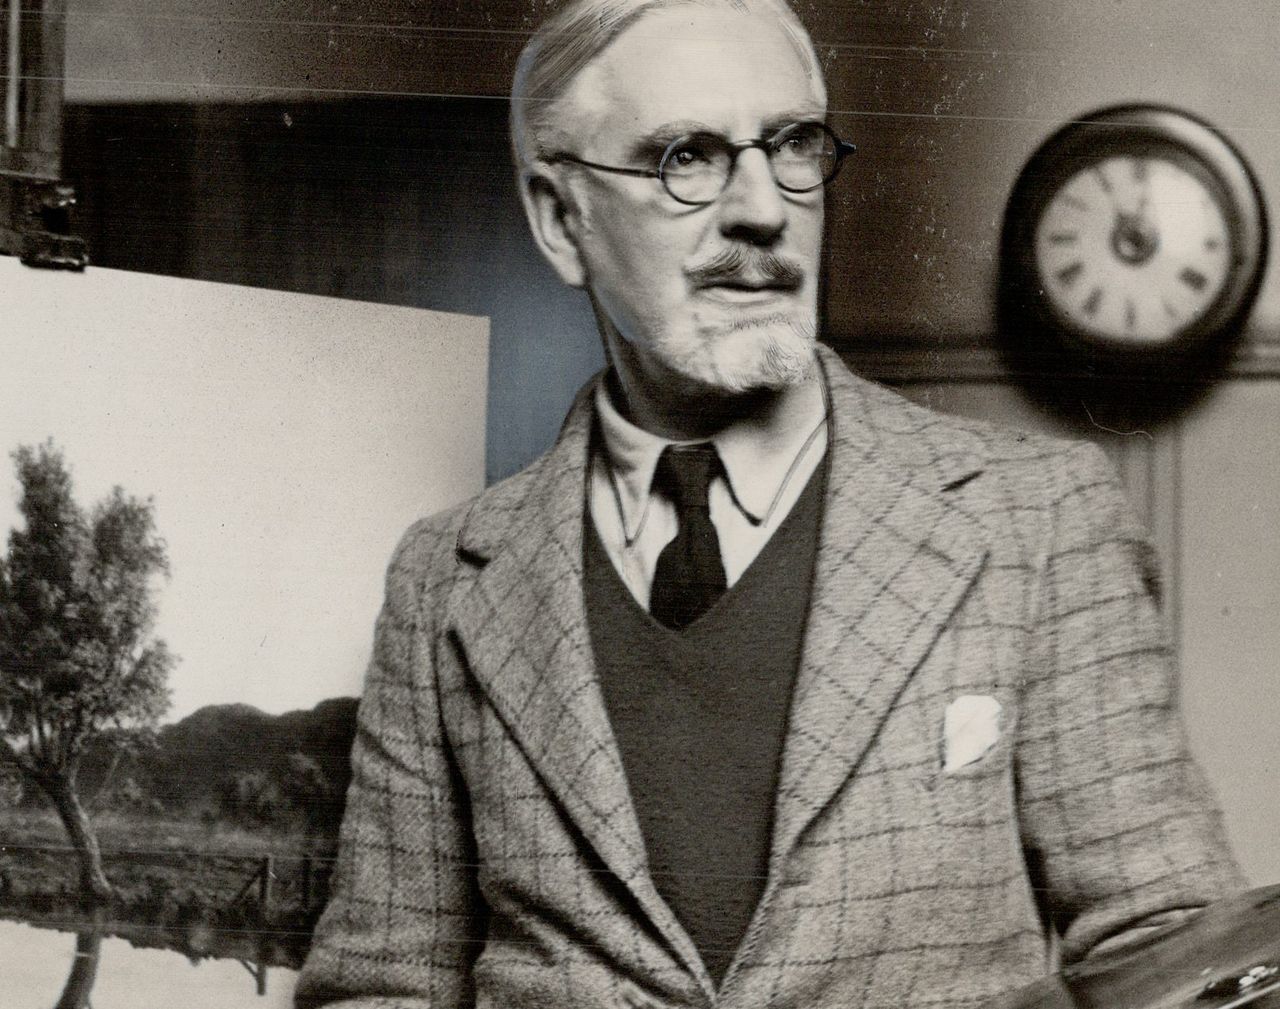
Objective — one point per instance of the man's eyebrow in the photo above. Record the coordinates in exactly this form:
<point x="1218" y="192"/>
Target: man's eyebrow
<point x="805" y="115"/>
<point x="653" y="144"/>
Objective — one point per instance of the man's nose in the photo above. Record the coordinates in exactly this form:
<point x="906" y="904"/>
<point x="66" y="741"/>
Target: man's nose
<point x="752" y="207"/>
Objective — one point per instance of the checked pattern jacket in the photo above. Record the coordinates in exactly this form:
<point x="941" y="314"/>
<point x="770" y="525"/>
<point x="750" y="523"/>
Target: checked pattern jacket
<point x="491" y="857"/>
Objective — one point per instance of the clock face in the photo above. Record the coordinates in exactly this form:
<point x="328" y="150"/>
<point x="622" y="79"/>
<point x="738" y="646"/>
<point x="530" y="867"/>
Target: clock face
<point x="1133" y="249"/>
<point x="1134" y="243"/>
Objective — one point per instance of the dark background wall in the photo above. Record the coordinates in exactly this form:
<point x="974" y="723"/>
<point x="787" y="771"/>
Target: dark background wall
<point x="401" y="201"/>
<point x="359" y="149"/>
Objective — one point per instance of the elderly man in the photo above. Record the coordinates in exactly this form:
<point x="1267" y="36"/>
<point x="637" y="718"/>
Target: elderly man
<point x="763" y="687"/>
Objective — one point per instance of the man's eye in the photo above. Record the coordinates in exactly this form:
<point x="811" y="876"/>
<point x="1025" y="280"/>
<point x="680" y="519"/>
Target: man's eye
<point x="686" y="156"/>
<point x="802" y="143"/>
<point x="689" y="155"/>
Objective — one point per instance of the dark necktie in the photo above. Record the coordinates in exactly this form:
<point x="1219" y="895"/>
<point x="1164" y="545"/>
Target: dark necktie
<point x="689" y="576"/>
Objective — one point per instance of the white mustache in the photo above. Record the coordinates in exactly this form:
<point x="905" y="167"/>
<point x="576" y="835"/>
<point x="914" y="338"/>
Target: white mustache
<point x="748" y="267"/>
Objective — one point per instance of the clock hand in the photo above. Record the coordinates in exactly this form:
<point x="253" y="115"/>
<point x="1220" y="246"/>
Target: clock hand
<point x="1142" y="176"/>
<point x="1134" y="239"/>
<point x="1105" y="185"/>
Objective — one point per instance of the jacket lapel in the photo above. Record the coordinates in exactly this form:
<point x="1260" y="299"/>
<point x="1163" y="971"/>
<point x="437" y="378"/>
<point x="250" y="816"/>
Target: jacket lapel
<point x="894" y="561"/>
<point x="523" y="626"/>
<point x="895" y="558"/>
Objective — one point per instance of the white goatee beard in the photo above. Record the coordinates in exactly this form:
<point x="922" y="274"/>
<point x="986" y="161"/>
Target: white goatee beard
<point x="770" y="352"/>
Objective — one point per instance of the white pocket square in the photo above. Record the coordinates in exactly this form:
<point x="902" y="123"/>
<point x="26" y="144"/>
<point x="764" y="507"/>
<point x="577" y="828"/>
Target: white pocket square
<point x="970" y="729"/>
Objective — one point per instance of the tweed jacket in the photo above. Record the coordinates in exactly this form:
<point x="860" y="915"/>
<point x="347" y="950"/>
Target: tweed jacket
<point x="491" y="856"/>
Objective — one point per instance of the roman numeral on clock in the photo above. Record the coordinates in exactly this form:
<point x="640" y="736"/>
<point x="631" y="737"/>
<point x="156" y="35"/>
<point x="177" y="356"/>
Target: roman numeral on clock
<point x="1194" y="279"/>
<point x="1070" y="273"/>
<point x="1093" y="302"/>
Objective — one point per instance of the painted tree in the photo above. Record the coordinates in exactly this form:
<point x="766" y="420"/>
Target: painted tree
<point x="78" y="659"/>
<point x="308" y="791"/>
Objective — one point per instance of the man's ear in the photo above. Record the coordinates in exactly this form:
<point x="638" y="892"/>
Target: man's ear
<point x="553" y="219"/>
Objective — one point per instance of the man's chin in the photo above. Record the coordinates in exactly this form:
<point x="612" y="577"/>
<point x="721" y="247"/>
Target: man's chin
<point x="764" y="355"/>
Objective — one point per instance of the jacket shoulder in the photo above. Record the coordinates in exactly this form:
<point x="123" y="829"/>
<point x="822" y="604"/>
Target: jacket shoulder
<point x="1016" y="486"/>
<point x="440" y="541"/>
<point x="915" y="436"/>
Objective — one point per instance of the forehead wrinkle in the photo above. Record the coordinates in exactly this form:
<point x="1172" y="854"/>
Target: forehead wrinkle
<point x="598" y="106"/>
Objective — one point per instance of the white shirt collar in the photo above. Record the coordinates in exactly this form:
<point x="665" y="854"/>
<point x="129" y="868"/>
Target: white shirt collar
<point x="759" y="455"/>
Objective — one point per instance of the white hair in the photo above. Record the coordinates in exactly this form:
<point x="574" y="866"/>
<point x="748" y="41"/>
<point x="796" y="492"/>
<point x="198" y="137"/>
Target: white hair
<point x="581" y="30"/>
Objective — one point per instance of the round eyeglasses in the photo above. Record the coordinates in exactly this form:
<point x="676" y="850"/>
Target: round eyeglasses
<point x="696" y="168"/>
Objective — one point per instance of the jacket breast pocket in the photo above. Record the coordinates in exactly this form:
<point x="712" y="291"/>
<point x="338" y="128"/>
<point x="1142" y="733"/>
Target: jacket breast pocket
<point x="968" y="737"/>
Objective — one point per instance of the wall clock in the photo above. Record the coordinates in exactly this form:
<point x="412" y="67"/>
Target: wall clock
<point x="1135" y="236"/>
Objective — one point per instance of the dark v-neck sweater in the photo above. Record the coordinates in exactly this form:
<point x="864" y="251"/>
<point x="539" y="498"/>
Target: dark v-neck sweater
<point x="699" y="716"/>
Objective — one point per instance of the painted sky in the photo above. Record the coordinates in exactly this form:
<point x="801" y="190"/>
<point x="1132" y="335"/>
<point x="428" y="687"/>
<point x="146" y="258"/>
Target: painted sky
<point x="287" y="441"/>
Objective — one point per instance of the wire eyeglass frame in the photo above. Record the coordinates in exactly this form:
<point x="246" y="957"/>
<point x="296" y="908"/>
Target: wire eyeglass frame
<point x="840" y="149"/>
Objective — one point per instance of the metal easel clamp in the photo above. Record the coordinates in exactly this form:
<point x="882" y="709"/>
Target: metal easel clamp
<point x="37" y="226"/>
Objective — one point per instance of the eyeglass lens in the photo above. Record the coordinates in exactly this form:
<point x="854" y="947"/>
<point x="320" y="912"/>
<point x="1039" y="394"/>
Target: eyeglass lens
<point x="696" y="169"/>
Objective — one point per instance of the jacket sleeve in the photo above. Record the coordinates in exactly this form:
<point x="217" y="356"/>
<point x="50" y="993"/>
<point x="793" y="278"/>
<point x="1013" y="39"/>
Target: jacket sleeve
<point x="1120" y="831"/>
<point x="403" y="923"/>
